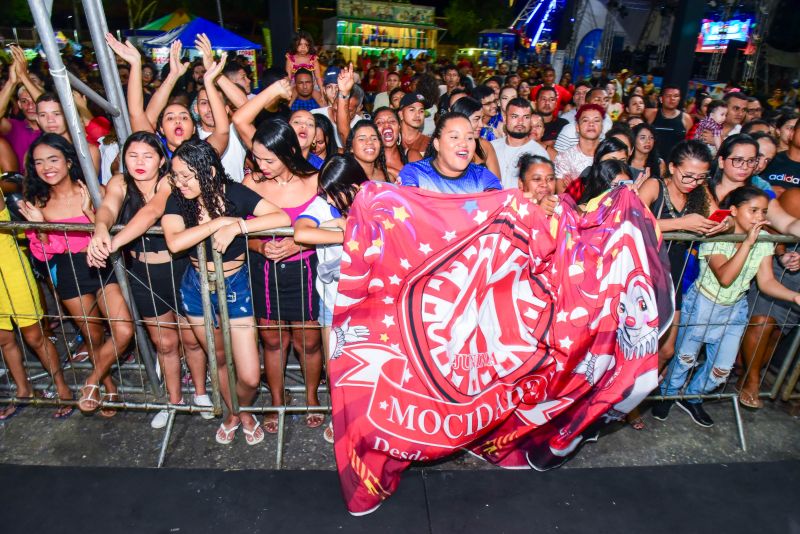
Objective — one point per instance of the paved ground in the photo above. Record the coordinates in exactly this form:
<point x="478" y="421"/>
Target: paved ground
<point x="34" y="438"/>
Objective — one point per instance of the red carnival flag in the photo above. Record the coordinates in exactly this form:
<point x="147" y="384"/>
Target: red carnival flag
<point x="475" y="321"/>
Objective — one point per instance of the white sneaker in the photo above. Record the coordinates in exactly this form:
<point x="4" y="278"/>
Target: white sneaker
<point x="203" y="400"/>
<point x="160" y="420"/>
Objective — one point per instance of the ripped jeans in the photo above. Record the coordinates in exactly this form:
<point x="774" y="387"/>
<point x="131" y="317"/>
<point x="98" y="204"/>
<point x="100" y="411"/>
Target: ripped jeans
<point x="720" y="328"/>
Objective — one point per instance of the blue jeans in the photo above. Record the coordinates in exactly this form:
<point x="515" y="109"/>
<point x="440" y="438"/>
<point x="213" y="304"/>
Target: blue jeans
<point x="720" y="328"/>
<point x="237" y="289"/>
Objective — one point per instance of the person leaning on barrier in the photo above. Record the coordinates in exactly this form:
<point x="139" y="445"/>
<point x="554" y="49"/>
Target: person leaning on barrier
<point x="20" y="306"/>
<point x="207" y="207"/>
<point x="55" y="192"/>
<point x="679" y="203"/>
<point x="141" y="193"/>
<point x="714" y="311"/>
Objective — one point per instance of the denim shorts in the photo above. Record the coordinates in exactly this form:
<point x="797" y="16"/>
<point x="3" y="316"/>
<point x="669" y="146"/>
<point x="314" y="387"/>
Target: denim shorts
<point x="237" y="288"/>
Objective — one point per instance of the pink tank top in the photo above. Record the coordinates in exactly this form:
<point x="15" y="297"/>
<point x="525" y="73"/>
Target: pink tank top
<point x="59" y="242"/>
<point x="293" y="214"/>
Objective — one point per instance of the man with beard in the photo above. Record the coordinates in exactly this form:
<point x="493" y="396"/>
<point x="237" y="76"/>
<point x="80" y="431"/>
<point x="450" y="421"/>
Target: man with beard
<point x="303" y="96"/>
<point x="546" y="103"/>
<point x="516" y="142"/>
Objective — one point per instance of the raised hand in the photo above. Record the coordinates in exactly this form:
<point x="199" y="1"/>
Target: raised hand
<point x="30" y="211"/>
<point x="20" y="61"/>
<point x="203" y="43"/>
<point x="346" y="80"/>
<point x="214" y="69"/>
<point x="126" y="51"/>
<point x="175" y="64"/>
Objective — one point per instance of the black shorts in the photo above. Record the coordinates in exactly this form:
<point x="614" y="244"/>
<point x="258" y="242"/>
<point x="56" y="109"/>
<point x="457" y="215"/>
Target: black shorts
<point x="284" y="291"/>
<point x="156" y="286"/>
<point x="73" y="276"/>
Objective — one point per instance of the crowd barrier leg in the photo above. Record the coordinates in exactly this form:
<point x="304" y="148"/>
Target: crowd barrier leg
<point x="791" y="382"/>
<point x="739" y="425"/>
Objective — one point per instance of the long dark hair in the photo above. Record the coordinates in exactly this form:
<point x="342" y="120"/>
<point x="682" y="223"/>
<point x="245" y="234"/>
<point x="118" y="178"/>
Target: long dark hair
<point x="36" y="190"/>
<point x="134" y="199"/>
<point x="299" y="36"/>
<point x="326" y="126"/>
<point x="651" y="162"/>
<point x="725" y="150"/>
<point x="607" y="146"/>
<point x="740" y="195"/>
<point x="204" y="161"/>
<point x="348" y="146"/>
<point x="338" y="179"/>
<point x="279" y="138"/>
<point x="696" y="200"/>
<point x="601" y="176"/>
<point x="466" y="106"/>
<point x="384" y="109"/>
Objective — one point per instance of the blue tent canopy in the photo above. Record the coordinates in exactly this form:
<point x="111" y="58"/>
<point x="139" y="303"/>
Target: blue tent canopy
<point x="221" y="39"/>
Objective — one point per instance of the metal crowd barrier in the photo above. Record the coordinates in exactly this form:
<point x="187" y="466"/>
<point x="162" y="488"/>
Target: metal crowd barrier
<point x="137" y="392"/>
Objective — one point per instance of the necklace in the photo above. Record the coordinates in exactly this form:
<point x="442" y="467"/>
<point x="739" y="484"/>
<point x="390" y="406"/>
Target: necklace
<point x="282" y="183"/>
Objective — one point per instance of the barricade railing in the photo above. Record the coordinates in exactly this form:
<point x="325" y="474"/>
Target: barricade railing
<point x="303" y="338"/>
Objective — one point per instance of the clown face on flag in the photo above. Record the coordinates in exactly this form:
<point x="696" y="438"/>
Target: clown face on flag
<point x="477" y="322"/>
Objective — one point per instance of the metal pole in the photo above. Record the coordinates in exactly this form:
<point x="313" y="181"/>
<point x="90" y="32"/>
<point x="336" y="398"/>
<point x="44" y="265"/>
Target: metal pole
<point x="75" y="125"/>
<point x="219" y="13"/>
<point x="208" y="319"/>
<point x="225" y="325"/>
<point x="84" y="89"/>
<point x="95" y="17"/>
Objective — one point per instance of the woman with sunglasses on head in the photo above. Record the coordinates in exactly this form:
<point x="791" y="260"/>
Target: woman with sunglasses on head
<point x="136" y="199"/>
<point x="55" y="191"/>
<point x="206" y="206"/>
<point x="284" y="272"/>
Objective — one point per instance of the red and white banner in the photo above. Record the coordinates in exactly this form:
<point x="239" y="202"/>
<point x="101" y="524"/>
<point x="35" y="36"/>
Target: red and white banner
<point x="475" y="321"/>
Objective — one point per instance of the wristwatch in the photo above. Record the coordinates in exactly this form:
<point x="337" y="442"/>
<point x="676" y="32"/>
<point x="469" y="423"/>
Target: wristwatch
<point x="343" y="96"/>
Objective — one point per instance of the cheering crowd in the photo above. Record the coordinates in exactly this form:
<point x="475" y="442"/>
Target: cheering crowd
<point x="211" y="161"/>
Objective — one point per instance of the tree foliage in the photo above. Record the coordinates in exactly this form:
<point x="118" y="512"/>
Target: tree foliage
<point x="466" y="18"/>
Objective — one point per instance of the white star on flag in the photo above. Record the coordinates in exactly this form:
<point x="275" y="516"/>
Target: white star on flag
<point x="395" y="347"/>
<point x="384" y="405"/>
<point x="405" y="264"/>
<point x="481" y="216"/>
<point x="388" y="300"/>
<point x="565" y="343"/>
<point x="561" y="317"/>
<point x="394" y="280"/>
<point x="425" y="248"/>
<point x="523" y="209"/>
<point x="388" y="320"/>
<point x="449" y="236"/>
<point x="407" y="375"/>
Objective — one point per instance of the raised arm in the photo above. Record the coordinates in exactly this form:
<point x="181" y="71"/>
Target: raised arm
<point x="104" y="219"/>
<point x="135" y="93"/>
<point x="160" y="98"/>
<point x="219" y="138"/>
<point x="233" y="92"/>
<point x="346" y="81"/>
<point x="21" y="65"/>
<point x="245" y="116"/>
<point x="5" y="98"/>
<point x="145" y="218"/>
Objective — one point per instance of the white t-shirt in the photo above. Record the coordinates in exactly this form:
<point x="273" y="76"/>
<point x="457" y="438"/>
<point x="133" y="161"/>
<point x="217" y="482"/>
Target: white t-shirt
<point x="329" y="256"/>
<point x="508" y="158"/>
<point x="108" y="153"/>
<point x="233" y="158"/>
<point x="568" y="136"/>
<point x="324" y="113"/>
<point x="571" y="163"/>
<point x="381" y="100"/>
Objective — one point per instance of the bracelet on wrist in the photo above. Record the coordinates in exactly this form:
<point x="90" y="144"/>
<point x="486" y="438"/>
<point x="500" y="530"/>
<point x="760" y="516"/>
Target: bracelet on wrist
<point x="344" y="96"/>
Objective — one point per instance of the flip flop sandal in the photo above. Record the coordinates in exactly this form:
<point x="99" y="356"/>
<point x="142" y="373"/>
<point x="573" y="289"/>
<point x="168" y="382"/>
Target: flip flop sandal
<point x="638" y="424"/>
<point x="87" y="403"/>
<point x="80" y="357"/>
<point x="224" y="436"/>
<point x="254" y="436"/>
<point x="315" y="420"/>
<point x="748" y="400"/>
<point x="64" y="412"/>
<point x="328" y="434"/>
<point x="271" y="423"/>
<point x="17" y="410"/>
<point x="109" y="412"/>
